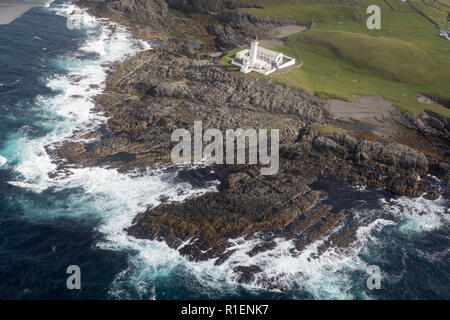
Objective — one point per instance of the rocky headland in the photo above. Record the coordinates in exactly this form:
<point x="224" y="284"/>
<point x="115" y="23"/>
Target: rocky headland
<point x="157" y="91"/>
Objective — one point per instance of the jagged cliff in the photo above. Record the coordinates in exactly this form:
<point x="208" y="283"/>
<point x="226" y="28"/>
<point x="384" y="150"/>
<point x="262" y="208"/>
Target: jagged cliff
<point x="153" y="19"/>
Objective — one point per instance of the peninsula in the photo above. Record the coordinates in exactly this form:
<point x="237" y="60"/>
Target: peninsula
<point x="368" y="142"/>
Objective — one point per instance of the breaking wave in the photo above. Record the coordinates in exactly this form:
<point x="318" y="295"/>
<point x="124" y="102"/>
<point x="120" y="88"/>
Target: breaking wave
<point x="3" y="161"/>
<point x="154" y="270"/>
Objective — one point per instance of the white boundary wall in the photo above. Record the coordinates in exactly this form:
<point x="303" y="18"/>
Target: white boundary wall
<point x="291" y="62"/>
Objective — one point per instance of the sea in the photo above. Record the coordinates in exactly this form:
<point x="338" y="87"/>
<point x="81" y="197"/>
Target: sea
<point x="53" y="61"/>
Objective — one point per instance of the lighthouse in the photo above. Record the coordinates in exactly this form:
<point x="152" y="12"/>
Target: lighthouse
<point x="253" y="52"/>
<point x="261" y="60"/>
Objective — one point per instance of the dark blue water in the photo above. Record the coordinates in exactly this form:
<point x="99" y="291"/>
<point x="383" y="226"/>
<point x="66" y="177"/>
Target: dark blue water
<point x="50" y="71"/>
<point x="34" y="253"/>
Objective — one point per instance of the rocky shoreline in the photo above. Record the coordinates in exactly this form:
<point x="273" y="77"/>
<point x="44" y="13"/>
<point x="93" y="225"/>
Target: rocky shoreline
<point x="157" y="91"/>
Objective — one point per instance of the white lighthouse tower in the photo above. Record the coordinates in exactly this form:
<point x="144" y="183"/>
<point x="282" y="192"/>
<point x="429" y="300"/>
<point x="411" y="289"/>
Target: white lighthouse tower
<point x="253" y="52"/>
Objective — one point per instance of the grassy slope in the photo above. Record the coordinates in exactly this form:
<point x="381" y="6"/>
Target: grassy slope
<point x="343" y="58"/>
<point x="433" y="11"/>
<point x="445" y="2"/>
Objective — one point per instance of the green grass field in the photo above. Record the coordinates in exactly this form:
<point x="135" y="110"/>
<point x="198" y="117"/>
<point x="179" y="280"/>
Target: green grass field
<point x="342" y="58"/>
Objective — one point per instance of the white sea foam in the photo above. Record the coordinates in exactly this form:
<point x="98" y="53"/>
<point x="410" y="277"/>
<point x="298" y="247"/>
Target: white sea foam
<point x="114" y="197"/>
<point x="418" y="215"/>
<point x="117" y="197"/>
<point x="3" y="161"/>
<point x="71" y="109"/>
<point x="48" y="3"/>
<point x="323" y="276"/>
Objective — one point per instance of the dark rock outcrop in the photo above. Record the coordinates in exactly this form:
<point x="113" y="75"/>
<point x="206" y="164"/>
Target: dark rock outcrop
<point x="237" y="27"/>
<point x="152" y="94"/>
<point x="136" y="14"/>
<point x="158" y="91"/>
<point x="434" y="194"/>
<point x="210" y="6"/>
<point x="246" y="274"/>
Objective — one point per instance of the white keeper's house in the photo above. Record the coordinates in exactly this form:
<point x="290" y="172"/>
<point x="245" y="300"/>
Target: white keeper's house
<point x="261" y="60"/>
